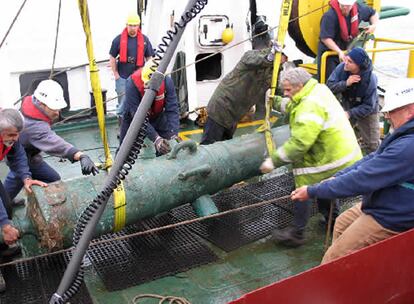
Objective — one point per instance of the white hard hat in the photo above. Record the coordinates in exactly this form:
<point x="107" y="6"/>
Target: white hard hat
<point x="399" y="93"/>
<point x="346" y="2"/>
<point x="50" y="93"/>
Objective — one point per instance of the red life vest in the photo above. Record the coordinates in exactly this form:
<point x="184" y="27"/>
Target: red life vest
<point x="159" y="101"/>
<point x="345" y="35"/>
<point x="123" y="48"/>
<point x="3" y="149"/>
<point x="28" y="109"/>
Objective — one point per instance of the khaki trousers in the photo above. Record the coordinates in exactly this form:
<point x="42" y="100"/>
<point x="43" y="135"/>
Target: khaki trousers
<point x="354" y="230"/>
<point x="369" y="130"/>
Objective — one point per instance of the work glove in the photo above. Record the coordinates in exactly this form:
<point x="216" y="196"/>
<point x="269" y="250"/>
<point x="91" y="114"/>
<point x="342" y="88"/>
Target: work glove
<point x="267" y="166"/>
<point x="161" y="145"/>
<point x="87" y="165"/>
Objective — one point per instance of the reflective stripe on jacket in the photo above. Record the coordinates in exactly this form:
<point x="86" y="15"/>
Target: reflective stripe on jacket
<point x="322" y="140"/>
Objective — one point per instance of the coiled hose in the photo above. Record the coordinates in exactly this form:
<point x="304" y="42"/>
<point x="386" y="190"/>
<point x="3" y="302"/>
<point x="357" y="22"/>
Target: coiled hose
<point x="89" y="215"/>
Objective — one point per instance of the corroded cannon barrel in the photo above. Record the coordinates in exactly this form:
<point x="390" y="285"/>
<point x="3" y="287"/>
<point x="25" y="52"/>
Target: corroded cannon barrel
<point x="153" y="186"/>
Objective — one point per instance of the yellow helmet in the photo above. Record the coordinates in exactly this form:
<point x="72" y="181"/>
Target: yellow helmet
<point x="133" y="19"/>
<point x="147" y="70"/>
<point x="227" y="35"/>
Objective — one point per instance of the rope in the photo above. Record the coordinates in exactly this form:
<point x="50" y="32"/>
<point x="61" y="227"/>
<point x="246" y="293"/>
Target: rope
<point x="11" y="25"/>
<point x="170" y="299"/>
<point x="56" y="41"/>
<point x="166" y="227"/>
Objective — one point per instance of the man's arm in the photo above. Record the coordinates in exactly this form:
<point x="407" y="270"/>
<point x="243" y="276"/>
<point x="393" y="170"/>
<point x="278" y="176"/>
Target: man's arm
<point x="373" y="20"/>
<point x="369" y="101"/>
<point x="17" y="161"/>
<point x="43" y="138"/>
<point x="330" y="44"/>
<point x="171" y="109"/>
<point x="335" y="83"/>
<point x="382" y="170"/>
<point x="114" y="68"/>
<point x="305" y="130"/>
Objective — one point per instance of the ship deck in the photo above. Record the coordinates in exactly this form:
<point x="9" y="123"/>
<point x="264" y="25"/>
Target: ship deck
<point x="233" y="274"/>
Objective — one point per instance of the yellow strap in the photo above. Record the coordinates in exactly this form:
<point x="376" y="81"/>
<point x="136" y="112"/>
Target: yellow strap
<point x="119" y="194"/>
<point x="285" y="10"/>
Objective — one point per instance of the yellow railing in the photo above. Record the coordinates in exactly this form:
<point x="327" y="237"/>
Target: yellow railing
<point x="410" y="68"/>
<point x="374" y="50"/>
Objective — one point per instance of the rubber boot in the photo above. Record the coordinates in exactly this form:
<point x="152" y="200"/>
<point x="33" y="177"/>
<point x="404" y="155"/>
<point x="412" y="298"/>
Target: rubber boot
<point x="289" y="236"/>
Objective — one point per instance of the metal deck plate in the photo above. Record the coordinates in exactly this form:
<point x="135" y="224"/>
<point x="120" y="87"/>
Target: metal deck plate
<point x="34" y="281"/>
<point x="136" y="260"/>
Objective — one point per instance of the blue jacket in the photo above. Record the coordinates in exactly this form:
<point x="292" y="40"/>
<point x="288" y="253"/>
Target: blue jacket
<point x="360" y="99"/>
<point x="385" y="178"/>
<point x="17" y="162"/>
<point x="166" y="124"/>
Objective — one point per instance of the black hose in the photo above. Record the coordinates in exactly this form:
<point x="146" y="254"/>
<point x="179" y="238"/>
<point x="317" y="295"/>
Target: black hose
<point x="127" y="154"/>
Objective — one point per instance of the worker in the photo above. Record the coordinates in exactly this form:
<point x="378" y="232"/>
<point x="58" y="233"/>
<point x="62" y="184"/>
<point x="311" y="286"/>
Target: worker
<point x="355" y="81"/>
<point x="322" y="142"/>
<point x="384" y="178"/>
<point x="339" y="26"/>
<point x="241" y="89"/>
<point x="164" y="120"/>
<point x="40" y="110"/>
<point x="11" y="124"/>
<point x="129" y="51"/>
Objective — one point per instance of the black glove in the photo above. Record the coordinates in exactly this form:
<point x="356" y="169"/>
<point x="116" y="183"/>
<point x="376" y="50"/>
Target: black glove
<point x="161" y="145"/>
<point x="87" y="165"/>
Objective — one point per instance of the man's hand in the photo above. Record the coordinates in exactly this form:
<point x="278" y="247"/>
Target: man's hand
<point x="87" y="165"/>
<point x="370" y="29"/>
<point x="353" y="79"/>
<point x="161" y="145"/>
<point x="267" y="166"/>
<point x="300" y="194"/>
<point x="347" y="115"/>
<point x="341" y="56"/>
<point x="10" y="234"/>
<point x="28" y="183"/>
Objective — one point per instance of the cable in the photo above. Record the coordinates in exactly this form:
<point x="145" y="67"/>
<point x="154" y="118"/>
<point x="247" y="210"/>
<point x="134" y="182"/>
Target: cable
<point x="73" y="278"/>
<point x="11" y="25"/>
<point x="56" y="41"/>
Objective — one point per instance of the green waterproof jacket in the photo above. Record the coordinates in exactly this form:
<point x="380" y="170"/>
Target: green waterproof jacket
<point x="322" y="140"/>
<point x="242" y="88"/>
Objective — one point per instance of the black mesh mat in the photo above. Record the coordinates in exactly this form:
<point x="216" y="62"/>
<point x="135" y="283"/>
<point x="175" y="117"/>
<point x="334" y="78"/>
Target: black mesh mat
<point x="240" y="228"/>
<point x="36" y="280"/>
<point x="136" y="260"/>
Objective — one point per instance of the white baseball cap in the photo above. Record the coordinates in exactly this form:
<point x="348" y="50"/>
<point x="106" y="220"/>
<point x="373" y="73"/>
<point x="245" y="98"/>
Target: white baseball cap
<point x="346" y="2"/>
<point x="399" y="93"/>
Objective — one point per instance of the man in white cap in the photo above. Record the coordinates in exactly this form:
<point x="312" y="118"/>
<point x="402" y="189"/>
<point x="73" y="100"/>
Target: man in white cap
<point x="339" y="26"/>
<point x="385" y="179"/>
<point x="40" y="110"/>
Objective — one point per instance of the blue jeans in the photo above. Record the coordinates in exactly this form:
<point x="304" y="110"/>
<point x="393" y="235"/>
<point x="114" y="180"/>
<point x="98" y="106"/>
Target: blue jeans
<point x="301" y="212"/>
<point x="40" y="170"/>
<point x="120" y="85"/>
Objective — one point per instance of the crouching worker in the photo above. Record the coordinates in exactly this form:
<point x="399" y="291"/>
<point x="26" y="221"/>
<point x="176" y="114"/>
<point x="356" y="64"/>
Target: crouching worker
<point x="40" y="111"/>
<point x="322" y="142"/>
<point x="11" y="124"/>
<point x="164" y="117"/>
<point x="385" y="178"/>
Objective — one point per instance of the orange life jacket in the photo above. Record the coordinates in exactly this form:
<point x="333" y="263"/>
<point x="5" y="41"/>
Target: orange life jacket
<point x="123" y="48"/>
<point x="159" y="101"/>
<point x="345" y="35"/>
